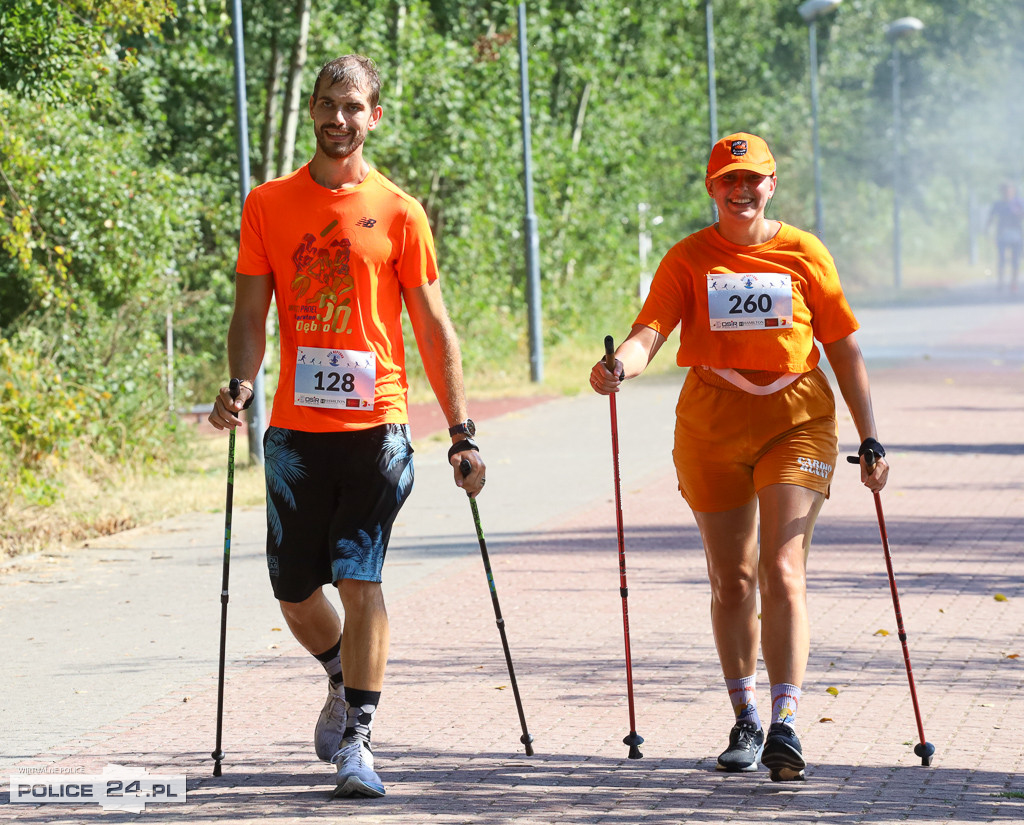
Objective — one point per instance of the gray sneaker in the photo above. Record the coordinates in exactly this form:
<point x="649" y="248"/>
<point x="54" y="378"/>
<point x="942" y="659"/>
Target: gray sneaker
<point x="745" y="743"/>
<point x="356" y="776"/>
<point x="330" y="727"/>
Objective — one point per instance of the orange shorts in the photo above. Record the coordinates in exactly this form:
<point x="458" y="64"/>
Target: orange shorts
<point x="729" y="444"/>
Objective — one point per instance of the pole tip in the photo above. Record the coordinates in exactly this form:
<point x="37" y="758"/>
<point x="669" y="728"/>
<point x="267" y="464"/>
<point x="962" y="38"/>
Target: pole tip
<point x="527" y="741"/>
<point x="926" y="750"/>
<point x="217" y="755"/>
<point x="634" y="740"/>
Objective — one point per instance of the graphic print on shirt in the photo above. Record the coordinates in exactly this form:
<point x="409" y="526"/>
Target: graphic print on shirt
<point x="750" y="300"/>
<point x="322" y="267"/>
<point x="323" y="290"/>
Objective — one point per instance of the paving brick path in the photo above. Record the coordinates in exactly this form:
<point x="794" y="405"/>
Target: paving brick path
<point x="447" y="733"/>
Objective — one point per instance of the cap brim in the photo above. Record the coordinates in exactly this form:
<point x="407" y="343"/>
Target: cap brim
<point x="760" y="168"/>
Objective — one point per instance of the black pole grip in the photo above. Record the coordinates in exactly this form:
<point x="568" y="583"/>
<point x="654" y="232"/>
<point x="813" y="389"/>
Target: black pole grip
<point x="871" y="450"/>
<point x="465" y="467"/>
<point x="872" y="459"/>
<point x="234" y="385"/>
<point x="609" y="354"/>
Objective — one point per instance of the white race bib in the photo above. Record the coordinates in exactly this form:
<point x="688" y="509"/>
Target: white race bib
<point x="335" y="378"/>
<point x="750" y="300"/>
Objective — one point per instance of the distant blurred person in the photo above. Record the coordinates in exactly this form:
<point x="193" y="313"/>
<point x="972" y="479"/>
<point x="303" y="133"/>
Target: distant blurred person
<point x="1008" y="216"/>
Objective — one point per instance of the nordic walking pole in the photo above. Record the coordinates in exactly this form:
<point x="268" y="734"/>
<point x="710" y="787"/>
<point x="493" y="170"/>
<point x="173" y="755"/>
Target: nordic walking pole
<point x="218" y="754"/>
<point x="526" y="739"/>
<point x="924" y="749"/>
<point x="633" y="739"/>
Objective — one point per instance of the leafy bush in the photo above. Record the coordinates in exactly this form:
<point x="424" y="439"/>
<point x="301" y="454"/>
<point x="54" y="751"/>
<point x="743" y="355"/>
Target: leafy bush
<point x="38" y="415"/>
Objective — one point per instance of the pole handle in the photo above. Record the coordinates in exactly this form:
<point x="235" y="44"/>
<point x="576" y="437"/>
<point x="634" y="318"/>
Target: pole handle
<point x="609" y="354"/>
<point x="465" y="467"/>
<point x="234" y="386"/>
<point x="870" y="458"/>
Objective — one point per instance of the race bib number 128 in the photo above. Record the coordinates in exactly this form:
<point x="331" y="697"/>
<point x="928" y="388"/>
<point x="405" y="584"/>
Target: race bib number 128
<point x="334" y="378"/>
<point x="751" y="300"/>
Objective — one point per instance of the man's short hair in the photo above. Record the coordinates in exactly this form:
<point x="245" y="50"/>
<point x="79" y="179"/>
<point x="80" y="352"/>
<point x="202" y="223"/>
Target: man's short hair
<point x="351" y="69"/>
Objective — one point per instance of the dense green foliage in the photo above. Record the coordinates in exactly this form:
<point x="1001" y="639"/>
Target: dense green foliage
<point x="119" y="188"/>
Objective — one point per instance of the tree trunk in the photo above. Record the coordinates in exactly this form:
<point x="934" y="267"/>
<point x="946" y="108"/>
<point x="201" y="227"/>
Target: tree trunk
<point x="271" y="110"/>
<point x="396" y="97"/>
<point x="293" y="94"/>
<point x="581" y="115"/>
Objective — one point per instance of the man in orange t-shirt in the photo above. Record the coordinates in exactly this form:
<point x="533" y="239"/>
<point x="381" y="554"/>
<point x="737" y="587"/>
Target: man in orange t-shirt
<point x="339" y="248"/>
<point x="755" y="442"/>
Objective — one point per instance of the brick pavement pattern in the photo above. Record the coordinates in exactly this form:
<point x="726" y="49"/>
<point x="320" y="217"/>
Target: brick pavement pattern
<point x="447" y="735"/>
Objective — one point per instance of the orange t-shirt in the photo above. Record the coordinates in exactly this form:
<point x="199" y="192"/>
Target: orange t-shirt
<point x="749" y="307"/>
<point x="340" y="260"/>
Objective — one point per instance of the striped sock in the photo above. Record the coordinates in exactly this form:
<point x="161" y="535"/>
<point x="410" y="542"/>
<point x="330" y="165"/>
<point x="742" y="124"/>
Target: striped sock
<point x="743" y="698"/>
<point x="331" y="660"/>
<point x="785" y="700"/>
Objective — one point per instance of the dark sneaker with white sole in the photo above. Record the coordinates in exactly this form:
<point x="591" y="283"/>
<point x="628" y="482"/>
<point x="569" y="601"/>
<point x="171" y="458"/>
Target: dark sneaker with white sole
<point x="745" y="743"/>
<point x="782" y="754"/>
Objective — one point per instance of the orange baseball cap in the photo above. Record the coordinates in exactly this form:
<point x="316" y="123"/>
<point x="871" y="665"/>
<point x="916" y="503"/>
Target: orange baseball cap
<point x="740" y="151"/>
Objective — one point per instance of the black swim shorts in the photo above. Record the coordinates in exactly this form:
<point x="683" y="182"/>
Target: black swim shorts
<point x="331" y="501"/>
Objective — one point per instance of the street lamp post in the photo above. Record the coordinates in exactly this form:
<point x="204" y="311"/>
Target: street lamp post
<point x="532" y="238"/>
<point x="709" y="29"/>
<point x="645" y="247"/>
<point x="896" y="31"/>
<point x="257" y="416"/>
<point x="810" y="12"/>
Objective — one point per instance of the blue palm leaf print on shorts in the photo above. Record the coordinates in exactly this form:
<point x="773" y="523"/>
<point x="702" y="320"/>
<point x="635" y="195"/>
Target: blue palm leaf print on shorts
<point x="361" y="558"/>
<point x="396" y="450"/>
<point x="283" y="467"/>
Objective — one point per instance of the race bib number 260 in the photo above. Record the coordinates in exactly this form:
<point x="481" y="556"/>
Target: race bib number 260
<point x="751" y="300"/>
<point x="334" y="378"/>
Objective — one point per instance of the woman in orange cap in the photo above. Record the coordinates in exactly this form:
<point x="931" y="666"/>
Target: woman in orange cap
<point x="755" y="437"/>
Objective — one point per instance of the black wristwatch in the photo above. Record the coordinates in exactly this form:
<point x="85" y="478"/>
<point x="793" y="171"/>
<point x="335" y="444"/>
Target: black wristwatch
<point x="467" y="427"/>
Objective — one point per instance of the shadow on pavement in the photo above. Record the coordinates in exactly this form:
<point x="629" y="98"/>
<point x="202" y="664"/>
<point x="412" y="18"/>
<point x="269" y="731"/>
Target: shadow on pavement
<point x="491" y="788"/>
<point x="961" y="449"/>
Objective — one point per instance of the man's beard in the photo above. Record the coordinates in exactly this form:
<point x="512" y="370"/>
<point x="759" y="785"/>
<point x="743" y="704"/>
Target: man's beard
<point x="337" y="151"/>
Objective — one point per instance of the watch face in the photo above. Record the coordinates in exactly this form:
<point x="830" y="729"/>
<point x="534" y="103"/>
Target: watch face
<point x="467" y="427"/>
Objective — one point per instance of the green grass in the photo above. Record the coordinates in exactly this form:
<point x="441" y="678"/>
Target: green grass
<point x="100" y="497"/>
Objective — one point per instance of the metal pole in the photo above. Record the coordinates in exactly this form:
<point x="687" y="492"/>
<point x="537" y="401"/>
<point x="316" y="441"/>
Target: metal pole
<point x="897" y="262"/>
<point x="972" y="212"/>
<point x="170" y="360"/>
<point x="819" y="208"/>
<point x="257" y="413"/>
<point x="533" y="292"/>
<point x="644" y="244"/>
<point x="709" y="20"/>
